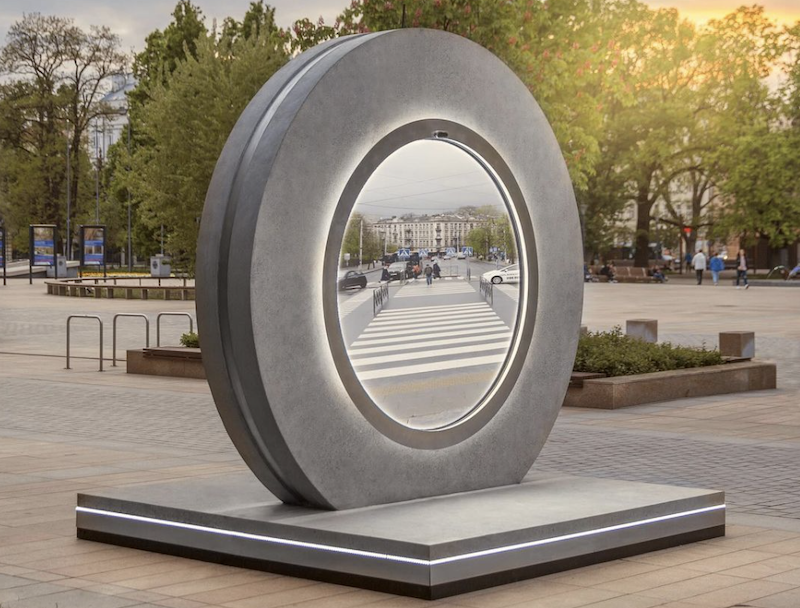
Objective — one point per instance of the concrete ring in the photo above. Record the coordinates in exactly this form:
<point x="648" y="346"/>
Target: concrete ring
<point x="271" y="230"/>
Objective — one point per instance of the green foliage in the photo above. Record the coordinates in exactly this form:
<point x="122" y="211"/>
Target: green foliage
<point x="187" y="122"/>
<point x="359" y="231"/>
<point x="190" y="340"/>
<point x="53" y="72"/>
<point x="615" y="354"/>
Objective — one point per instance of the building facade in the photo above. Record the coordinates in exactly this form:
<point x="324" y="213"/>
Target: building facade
<point x="432" y="232"/>
<point x="106" y="130"/>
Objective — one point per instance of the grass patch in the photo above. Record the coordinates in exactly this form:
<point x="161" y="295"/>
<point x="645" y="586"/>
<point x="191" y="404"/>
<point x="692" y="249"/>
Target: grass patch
<point x="614" y="354"/>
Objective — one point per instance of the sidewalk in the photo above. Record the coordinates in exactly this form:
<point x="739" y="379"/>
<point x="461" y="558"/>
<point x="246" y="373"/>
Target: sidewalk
<point x="66" y="431"/>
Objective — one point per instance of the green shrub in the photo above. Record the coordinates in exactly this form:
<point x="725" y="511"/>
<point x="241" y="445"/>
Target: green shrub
<point x="191" y="340"/>
<point x="614" y="354"/>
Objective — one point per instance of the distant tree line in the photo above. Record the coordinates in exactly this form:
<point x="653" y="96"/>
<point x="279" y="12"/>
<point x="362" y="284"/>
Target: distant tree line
<point x="643" y="102"/>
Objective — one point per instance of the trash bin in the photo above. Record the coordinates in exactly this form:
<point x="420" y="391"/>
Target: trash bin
<point x="160" y="266"/>
<point x="64" y="272"/>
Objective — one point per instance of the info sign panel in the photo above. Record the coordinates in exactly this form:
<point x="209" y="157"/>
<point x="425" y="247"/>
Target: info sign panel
<point x="43" y="244"/>
<point x="93" y="245"/>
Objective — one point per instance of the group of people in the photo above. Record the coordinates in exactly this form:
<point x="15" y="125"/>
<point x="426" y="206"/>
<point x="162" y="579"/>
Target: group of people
<point x="716" y="265"/>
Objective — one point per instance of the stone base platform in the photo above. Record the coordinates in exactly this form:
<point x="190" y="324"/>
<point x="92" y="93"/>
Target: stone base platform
<point x="429" y="548"/>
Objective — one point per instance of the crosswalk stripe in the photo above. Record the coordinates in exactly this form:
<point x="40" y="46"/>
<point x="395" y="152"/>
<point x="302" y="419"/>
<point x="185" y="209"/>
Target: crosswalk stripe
<point x="417" y="309"/>
<point x="430" y="336"/>
<point x="372" y="333"/>
<point x="408" y="370"/>
<point x="431" y="318"/>
<point x="428" y="354"/>
<point x="428" y="344"/>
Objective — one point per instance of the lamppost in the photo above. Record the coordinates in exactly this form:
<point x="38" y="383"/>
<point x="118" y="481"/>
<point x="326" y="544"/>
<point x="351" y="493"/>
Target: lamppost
<point x="129" y="251"/>
<point x="69" y="203"/>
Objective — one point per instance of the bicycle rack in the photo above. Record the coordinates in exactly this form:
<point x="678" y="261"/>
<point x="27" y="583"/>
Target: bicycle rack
<point x="171" y="314"/>
<point x="114" y="333"/>
<point x="99" y="320"/>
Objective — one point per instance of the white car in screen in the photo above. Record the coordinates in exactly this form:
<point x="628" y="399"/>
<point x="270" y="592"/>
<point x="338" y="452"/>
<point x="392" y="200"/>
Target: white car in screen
<point x="509" y="274"/>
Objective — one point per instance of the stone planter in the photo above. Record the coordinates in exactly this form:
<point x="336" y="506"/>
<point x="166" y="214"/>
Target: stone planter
<point x="174" y="361"/>
<point x="626" y="391"/>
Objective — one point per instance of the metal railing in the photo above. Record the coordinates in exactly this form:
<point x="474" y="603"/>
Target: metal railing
<point x="487" y="291"/>
<point x="114" y="332"/>
<point x="171" y="314"/>
<point x="380" y="297"/>
<point x="99" y="320"/>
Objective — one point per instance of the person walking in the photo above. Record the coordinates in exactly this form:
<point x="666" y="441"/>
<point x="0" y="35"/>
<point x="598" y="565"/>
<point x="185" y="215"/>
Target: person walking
<point x="717" y="265"/>
<point x="428" y="274"/>
<point x="741" y="269"/>
<point x="385" y="278"/>
<point x="437" y="271"/>
<point x="699" y="263"/>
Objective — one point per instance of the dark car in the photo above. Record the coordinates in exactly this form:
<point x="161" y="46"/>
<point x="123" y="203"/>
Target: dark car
<point x="352" y="279"/>
<point x="400" y="270"/>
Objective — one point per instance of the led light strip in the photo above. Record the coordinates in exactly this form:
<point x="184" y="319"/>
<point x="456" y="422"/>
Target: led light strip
<point x="389" y="557"/>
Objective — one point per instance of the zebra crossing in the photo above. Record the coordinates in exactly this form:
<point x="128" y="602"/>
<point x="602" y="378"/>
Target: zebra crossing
<point x="430" y="339"/>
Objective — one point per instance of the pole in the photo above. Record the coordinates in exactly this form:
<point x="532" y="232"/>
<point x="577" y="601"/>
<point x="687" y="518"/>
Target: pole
<point x="130" y="240"/>
<point x="162" y="239"/>
<point x="96" y="178"/>
<point x="69" y="206"/>
<point x="360" y="242"/>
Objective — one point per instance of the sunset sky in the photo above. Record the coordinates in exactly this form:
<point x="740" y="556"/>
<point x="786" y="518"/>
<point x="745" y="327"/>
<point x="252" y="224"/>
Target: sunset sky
<point x="134" y="20"/>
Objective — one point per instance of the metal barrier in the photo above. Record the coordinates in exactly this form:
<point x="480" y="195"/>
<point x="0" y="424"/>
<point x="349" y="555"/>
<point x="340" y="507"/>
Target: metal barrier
<point x="487" y="291"/>
<point x="379" y="298"/>
<point x="171" y="314"/>
<point x="114" y="333"/>
<point x="69" y="319"/>
<point x="469" y="274"/>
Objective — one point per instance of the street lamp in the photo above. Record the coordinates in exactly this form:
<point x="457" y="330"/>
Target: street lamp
<point x="129" y="251"/>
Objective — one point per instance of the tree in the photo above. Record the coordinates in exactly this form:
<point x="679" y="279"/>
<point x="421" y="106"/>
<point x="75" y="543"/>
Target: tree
<point x="56" y="72"/>
<point x="186" y="122"/>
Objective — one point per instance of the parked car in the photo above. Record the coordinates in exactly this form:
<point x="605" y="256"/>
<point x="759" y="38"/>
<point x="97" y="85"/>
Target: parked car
<point x="461" y="256"/>
<point x="509" y="274"/>
<point x="400" y="270"/>
<point x="352" y="279"/>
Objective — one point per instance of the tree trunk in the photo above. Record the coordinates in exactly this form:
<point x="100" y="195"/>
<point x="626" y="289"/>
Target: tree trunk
<point x="643" y="207"/>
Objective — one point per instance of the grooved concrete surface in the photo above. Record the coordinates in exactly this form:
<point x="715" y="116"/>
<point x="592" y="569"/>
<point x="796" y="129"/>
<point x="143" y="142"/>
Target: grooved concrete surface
<point x="65" y="431"/>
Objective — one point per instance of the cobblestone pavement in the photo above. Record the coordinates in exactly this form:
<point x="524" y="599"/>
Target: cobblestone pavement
<point x="66" y="431"/>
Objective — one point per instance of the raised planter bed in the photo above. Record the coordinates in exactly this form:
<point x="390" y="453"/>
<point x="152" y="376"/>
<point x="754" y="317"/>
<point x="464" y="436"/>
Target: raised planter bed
<point x="177" y="361"/>
<point x="626" y="391"/>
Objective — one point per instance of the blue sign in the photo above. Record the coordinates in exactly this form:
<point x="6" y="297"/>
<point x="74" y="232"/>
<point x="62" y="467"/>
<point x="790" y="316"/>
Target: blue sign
<point x="466" y="250"/>
<point x="44" y="249"/>
<point x="450" y="251"/>
<point x="423" y="253"/>
<point x="404" y="253"/>
<point x="93" y="245"/>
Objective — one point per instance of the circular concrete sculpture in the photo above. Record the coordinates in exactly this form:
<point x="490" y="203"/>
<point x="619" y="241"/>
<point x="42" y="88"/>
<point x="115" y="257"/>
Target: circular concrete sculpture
<point x="268" y="256"/>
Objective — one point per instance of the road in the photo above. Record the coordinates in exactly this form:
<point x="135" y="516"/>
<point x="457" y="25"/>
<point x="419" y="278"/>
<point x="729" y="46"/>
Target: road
<point x="432" y="353"/>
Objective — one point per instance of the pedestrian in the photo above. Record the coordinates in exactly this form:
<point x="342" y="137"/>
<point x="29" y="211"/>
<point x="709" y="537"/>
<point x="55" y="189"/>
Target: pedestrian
<point x="385" y="278"/>
<point x="717" y="265"/>
<point x="741" y="269"/>
<point x="658" y="275"/>
<point x="417" y="271"/>
<point x="428" y="274"/>
<point x="437" y="271"/>
<point x="699" y="263"/>
<point x="610" y="271"/>
<point x="688" y="260"/>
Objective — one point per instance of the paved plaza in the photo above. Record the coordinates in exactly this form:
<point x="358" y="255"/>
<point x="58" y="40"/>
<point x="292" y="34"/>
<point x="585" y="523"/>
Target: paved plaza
<point x="62" y="432"/>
